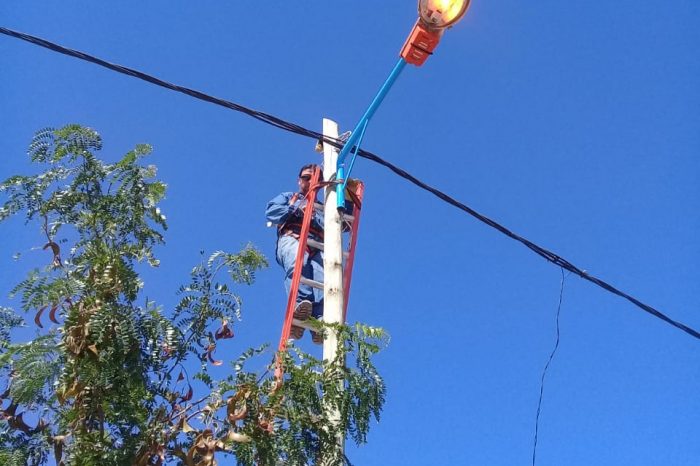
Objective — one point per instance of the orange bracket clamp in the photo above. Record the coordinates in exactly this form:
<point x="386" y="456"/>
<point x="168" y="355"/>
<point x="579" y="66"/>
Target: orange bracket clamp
<point x="420" y="44"/>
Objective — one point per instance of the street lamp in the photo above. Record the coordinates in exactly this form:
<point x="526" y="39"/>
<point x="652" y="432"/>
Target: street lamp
<point x="434" y="16"/>
<point x="441" y="14"/>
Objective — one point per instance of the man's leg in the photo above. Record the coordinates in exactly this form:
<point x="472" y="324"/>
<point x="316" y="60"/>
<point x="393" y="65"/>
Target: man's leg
<point x="287" y="247"/>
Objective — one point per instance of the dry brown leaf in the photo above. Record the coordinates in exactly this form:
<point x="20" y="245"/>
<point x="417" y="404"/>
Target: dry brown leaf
<point x="188" y="396"/>
<point x="210" y="355"/>
<point x="224" y="332"/>
<point x="236" y="408"/>
<point x="184" y="426"/>
<point x="233" y="436"/>
<point x="52" y="314"/>
<point x="37" y="317"/>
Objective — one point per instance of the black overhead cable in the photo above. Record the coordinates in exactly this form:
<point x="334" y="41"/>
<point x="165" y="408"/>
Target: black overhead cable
<point x="294" y="128"/>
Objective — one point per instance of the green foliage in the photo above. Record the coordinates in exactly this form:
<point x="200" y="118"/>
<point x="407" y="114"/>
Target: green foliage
<point x="8" y="321"/>
<point x="106" y="383"/>
<point x="317" y="403"/>
<point x="13" y="458"/>
<point x="35" y="365"/>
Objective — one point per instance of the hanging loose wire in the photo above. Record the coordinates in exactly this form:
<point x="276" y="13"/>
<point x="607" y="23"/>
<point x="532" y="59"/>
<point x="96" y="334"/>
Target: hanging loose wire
<point x="546" y="367"/>
<point x="297" y="129"/>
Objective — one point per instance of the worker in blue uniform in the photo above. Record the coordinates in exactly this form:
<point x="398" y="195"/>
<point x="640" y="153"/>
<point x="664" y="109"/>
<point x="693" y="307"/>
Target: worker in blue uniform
<point x="287" y="212"/>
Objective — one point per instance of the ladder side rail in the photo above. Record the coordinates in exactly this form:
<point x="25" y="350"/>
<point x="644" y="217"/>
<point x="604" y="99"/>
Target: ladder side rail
<point x="347" y="274"/>
<point x="301" y="251"/>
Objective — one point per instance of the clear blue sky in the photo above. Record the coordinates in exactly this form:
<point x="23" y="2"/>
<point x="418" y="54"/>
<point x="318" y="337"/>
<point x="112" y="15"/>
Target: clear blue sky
<point x="574" y="124"/>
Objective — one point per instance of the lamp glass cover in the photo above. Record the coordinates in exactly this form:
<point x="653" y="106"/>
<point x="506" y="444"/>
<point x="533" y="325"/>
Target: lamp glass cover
<point x="439" y="14"/>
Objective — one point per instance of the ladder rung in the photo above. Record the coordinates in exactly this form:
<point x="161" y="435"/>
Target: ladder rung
<point x="314" y="283"/>
<point x="315" y="244"/>
<point x="319" y="245"/>
<point x="346" y="217"/>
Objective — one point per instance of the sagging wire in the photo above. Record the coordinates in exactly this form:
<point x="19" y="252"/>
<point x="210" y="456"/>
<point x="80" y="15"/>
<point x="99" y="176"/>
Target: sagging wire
<point x="546" y="367"/>
<point x="297" y="129"/>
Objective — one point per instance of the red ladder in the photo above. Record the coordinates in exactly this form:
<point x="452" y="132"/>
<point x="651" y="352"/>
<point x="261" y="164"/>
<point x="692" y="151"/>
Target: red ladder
<point x="351" y="223"/>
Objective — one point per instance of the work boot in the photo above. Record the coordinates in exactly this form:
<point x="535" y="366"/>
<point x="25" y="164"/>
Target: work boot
<point x="295" y="333"/>
<point x="303" y="310"/>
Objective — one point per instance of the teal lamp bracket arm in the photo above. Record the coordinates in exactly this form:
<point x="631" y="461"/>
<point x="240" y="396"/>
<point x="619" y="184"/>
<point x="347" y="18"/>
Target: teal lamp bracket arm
<point x="353" y="143"/>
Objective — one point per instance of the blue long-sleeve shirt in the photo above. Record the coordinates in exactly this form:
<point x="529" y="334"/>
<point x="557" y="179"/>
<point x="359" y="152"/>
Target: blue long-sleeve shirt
<point x="279" y="211"/>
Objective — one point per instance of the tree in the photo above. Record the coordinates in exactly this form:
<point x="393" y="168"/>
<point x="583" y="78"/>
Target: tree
<point x="106" y="384"/>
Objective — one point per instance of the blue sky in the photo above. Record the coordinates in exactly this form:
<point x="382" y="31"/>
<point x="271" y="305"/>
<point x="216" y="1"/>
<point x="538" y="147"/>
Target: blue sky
<point x="572" y="123"/>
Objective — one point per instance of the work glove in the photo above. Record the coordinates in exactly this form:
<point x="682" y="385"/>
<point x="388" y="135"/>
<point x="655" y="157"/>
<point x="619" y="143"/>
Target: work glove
<point x="297" y="209"/>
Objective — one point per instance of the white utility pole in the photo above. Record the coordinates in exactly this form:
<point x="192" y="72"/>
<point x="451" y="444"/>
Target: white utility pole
<point x="332" y="255"/>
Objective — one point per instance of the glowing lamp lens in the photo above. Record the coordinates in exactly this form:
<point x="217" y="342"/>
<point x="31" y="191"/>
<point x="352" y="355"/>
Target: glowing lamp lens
<point x="440" y="14"/>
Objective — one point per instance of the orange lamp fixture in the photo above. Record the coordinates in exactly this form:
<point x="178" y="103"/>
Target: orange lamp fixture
<point x="434" y="16"/>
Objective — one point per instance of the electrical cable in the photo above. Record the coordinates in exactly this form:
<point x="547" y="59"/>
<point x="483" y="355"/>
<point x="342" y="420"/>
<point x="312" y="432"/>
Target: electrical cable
<point x="297" y="129"/>
<point x="546" y="367"/>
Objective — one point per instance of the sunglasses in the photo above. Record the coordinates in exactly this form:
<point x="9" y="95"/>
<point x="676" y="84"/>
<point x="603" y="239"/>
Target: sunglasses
<point x="305" y="177"/>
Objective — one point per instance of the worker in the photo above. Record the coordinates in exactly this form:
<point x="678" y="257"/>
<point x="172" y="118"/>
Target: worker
<point x="287" y="212"/>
